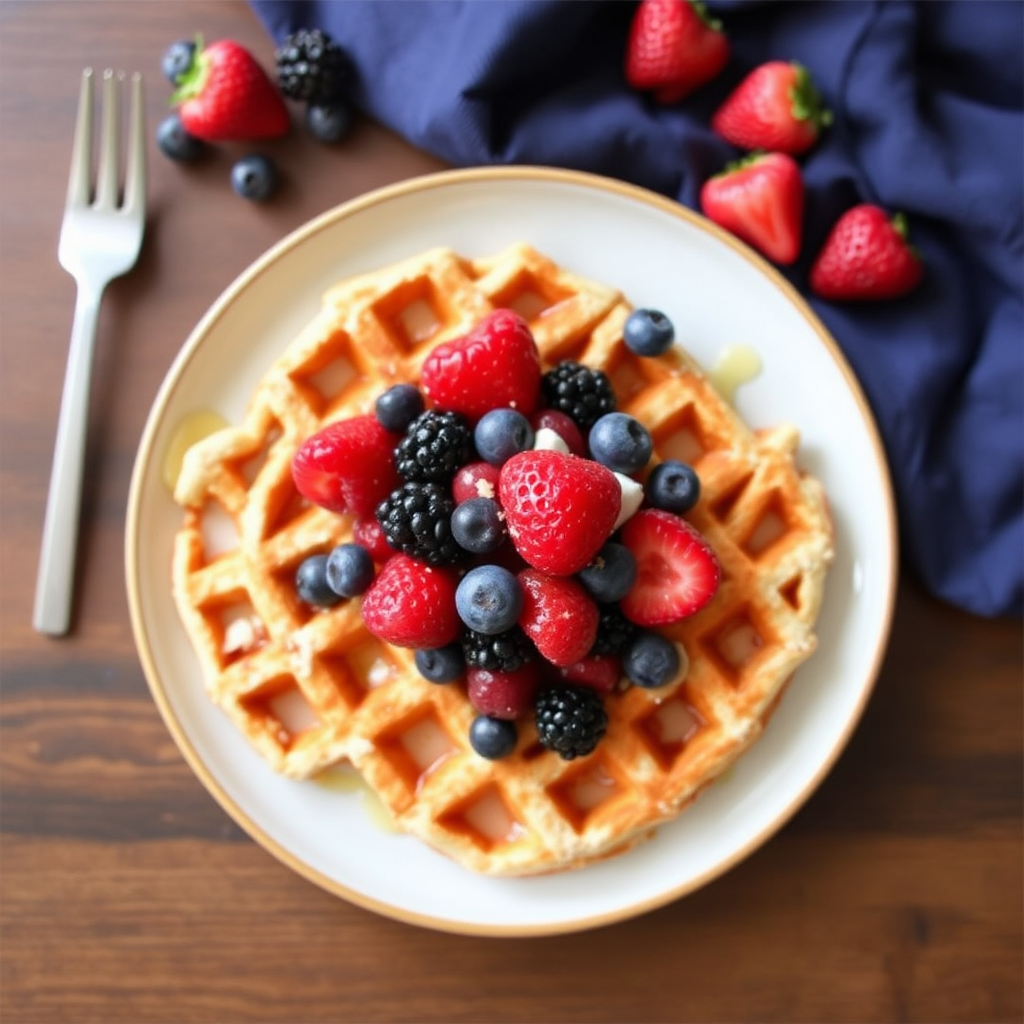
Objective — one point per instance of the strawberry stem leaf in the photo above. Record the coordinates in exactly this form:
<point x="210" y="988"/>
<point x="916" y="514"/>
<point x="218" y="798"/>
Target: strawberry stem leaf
<point x="705" y="15"/>
<point x="192" y="82"/>
<point x="806" y="100"/>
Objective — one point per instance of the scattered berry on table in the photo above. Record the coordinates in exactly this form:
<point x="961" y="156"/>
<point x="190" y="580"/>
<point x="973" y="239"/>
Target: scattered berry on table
<point x="559" y="508"/>
<point x="503" y="694"/>
<point x="435" y="445"/>
<point x="493" y="738"/>
<point x="677" y="571"/>
<point x="255" y="177"/>
<point x="648" y="332"/>
<point x="311" y="67"/>
<point x="614" y="630"/>
<point x="416" y="520"/>
<point x="775" y="108"/>
<point x="489" y="599"/>
<point x="329" y="122"/>
<point x="558" y="615"/>
<point x="177" y="59"/>
<point x="411" y="604"/>
<point x="611" y="575"/>
<point x="478" y="525"/>
<point x="347" y="466"/>
<point x="673" y="486"/>
<point x="398" y="406"/>
<point x="496" y="364"/>
<point x="866" y="257"/>
<point x="504" y="652"/>
<point x="349" y="570"/>
<point x="311" y="583"/>
<point x="500" y="434"/>
<point x="176" y="144"/>
<point x="475" y="480"/>
<point x="225" y="96"/>
<point x="441" y="664"/>
<point x="651" y="660"/>
<point x="571" y="719"/>
<point x="582" y="393"/>
<point x="620" y="442"/>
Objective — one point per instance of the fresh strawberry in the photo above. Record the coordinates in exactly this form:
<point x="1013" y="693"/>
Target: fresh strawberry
<point x="503" y="694"/>
<point x="674" y="47"/>
<point x="559" y="508"/>
<point x="348" y="466"/>
<point x="865" y="257"/>
<point x="558" y="615"/>
<point x="496" y="365"/>
<point x="760" y="199"/>
<point x="601" y="671"/>
<point x="412" y="604"/>
<point x="475" y="480"/>
<point x="370" y="534"/>
<point x="776" y="107"/>
<point x="677" y="572"/>
<point x="225" y="96"/>
<point x="563" y="425"/>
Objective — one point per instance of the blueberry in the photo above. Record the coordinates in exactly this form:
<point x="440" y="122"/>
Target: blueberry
<point x="489" y="599"/>
<point x="397" y="407"/>
<point x="176" y="143"/>
<point x="620" y="442"/>
<point x="648" y="332"/>
<point x="673" y="486"/>
<point x="255" y="177"/>
<point x="441" y="664"/>
<point x="500" y="434"/>
<point x="478" y="525"/>
<point x="611" y="575"/>
<point x="651" y="660"/>
<point x="329" y="122"/>
<point x="349" y="570"/>
<point x="177" y="59"/>
<point x="311" y="583"/>
<point x="493" y="738"/>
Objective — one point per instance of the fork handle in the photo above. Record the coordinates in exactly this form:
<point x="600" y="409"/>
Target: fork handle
<point x="55" y="582"/>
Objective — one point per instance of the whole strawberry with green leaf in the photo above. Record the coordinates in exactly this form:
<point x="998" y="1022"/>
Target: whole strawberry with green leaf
<point x="226" y="96"/>
<point x="674" y="47"/>
<point x="760" y="199"/>
<point x="776" y="107"/>
<point x="866" y="257"/>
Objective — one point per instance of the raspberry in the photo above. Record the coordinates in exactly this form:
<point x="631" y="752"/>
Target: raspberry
<point x="560" y="509"/>
<point x="583" y="394"/>
<point x="558" y="616"/>
<point x="504" y="652"/>
<point x="600" y="671"/>
<point x="434" y="447"/>
<point x="496" y="365"/>
<point x="503" y="694"/>
<point x="416" y="520"/>
<point x="570" y="719"/>
<point x="411" y="604"/>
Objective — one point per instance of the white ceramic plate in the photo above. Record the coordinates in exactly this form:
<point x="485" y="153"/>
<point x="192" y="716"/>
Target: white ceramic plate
<point x="718" y="293"/>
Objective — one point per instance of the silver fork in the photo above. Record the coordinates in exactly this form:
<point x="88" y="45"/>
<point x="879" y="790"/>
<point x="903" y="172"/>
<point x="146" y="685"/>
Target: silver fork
<point x="100" y="238"/>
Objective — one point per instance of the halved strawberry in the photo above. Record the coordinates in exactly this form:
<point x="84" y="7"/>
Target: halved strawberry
<point x="559" y="508"/>
<point x="677" y="572"/>
<point x="412" y="604"/>
<point x="496" y="365"/>
<point x="558" y="615"/>
<point x="348" y="466"/>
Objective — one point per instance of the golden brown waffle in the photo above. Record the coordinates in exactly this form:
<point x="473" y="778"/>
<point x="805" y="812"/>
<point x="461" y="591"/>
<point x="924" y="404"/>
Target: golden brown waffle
<point x="313" y="688"/>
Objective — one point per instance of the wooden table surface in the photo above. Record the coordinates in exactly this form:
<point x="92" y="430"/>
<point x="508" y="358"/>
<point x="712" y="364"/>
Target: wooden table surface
<point x="129" y="895"/>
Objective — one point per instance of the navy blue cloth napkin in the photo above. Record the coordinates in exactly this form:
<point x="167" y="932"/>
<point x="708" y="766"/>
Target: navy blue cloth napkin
<point x="927" y="100"/>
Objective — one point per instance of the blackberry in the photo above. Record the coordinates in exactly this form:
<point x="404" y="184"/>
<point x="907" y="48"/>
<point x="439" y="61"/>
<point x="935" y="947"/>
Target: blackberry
<point x="312" y="67"/>
<point x="416" y="520"/>
<point x="570" y="719"/>
<point x="582" y="393"/>
<point x="435" y="446"/>
<point x="499" y="652"/>
<point x="614" y="630"/>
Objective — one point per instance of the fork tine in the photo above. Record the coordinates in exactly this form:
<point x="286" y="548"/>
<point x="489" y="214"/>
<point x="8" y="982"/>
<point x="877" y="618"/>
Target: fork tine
<point x="110" y="143"/>
<point x="135" y="171"/>
<point x="81" y="152"/>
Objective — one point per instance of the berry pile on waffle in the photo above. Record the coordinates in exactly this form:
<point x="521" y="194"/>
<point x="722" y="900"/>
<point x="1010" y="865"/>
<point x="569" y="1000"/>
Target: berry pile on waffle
<point x="488" y="536"/>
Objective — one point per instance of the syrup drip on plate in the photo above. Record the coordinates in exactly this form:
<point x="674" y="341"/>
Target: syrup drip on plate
<point x="736" y="365"/>
<point x="190" y="429"/>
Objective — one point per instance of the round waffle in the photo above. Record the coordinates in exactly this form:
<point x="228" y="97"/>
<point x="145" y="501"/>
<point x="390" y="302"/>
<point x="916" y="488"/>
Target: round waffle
<point x="313" y="688"/>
